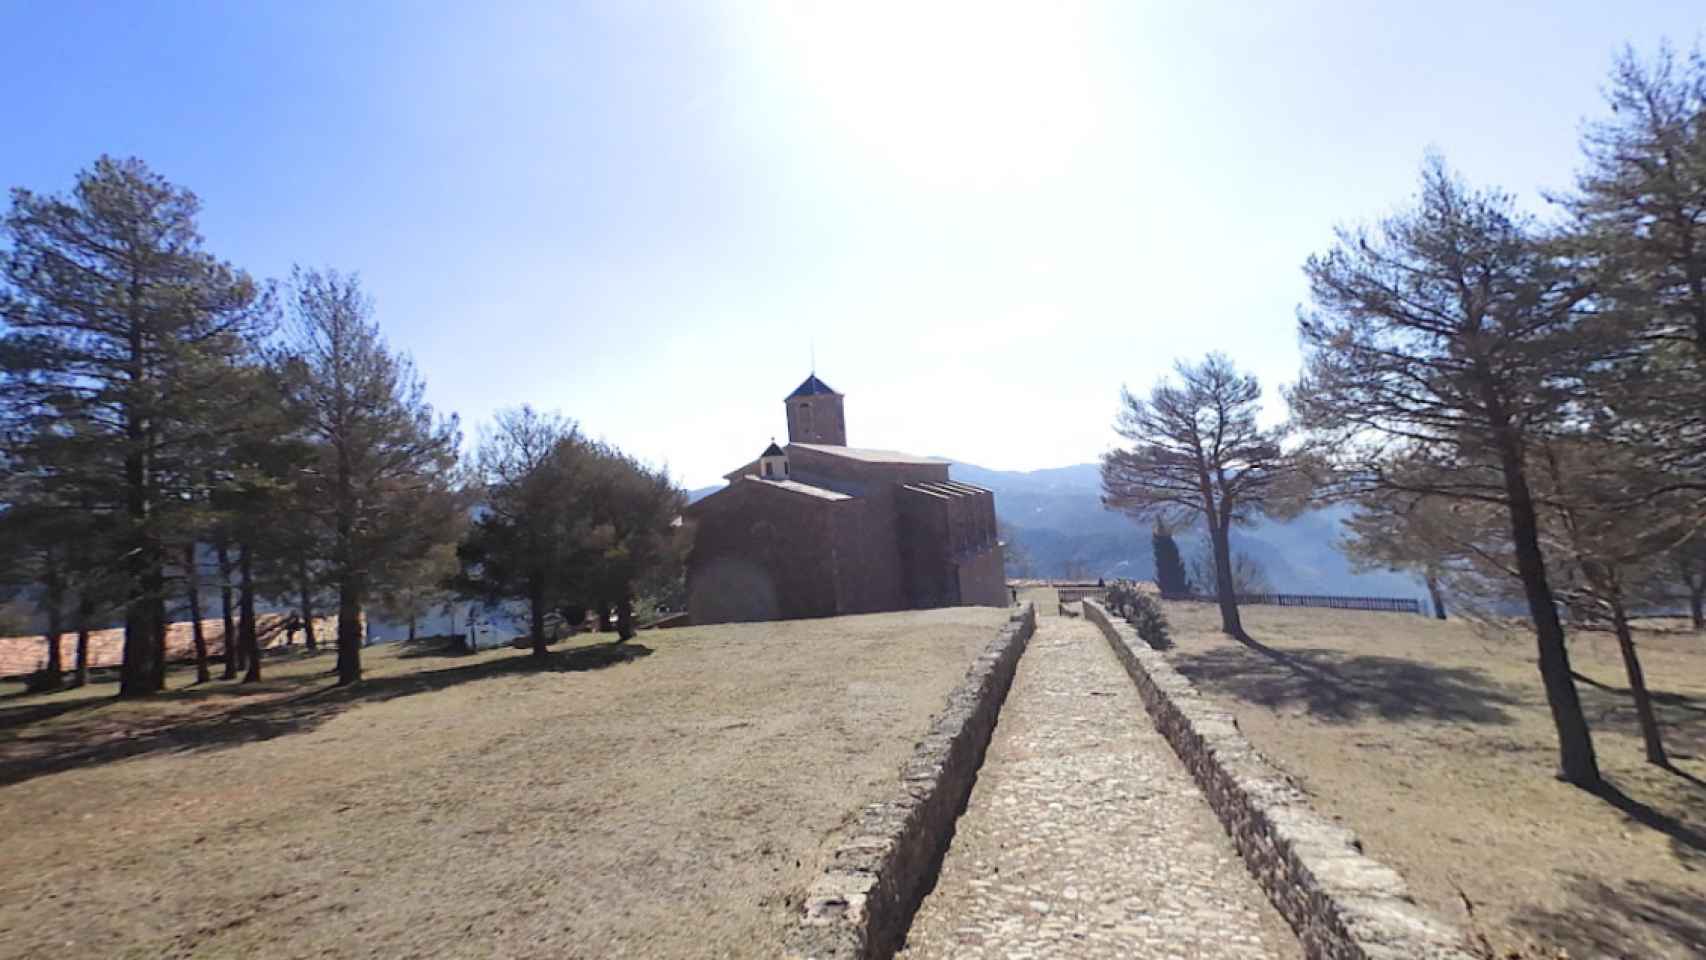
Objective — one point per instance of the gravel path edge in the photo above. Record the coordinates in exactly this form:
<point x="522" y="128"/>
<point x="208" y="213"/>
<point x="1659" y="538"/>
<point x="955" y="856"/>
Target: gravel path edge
<point x="861" y="906"/>
<point x="1343" y="904"/>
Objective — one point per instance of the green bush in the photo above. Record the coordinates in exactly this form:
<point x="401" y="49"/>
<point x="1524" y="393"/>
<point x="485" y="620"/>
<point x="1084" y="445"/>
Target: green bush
<point x="1142" y="610"/>
<point x="1150" y="622"/>
<point x="1121" y="596"/>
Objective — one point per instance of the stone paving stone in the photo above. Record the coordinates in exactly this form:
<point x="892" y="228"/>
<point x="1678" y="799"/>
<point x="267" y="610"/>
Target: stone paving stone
<point x="1084" y="837"/>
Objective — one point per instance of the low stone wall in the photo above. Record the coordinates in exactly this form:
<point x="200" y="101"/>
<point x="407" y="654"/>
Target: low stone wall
<point x="1343" y="904"/>
<point x="861" y="907"/>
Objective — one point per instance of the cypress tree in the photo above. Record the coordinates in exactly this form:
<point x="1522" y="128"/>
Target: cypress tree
<point x="1169" y="565"/>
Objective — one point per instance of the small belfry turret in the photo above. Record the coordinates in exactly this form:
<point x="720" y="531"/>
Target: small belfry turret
<point x="773" y="463"/>
<point x="815" y="414"/>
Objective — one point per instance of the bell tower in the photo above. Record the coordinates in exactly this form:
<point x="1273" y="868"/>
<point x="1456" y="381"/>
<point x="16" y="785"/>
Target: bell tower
<point x="815" y="414"/>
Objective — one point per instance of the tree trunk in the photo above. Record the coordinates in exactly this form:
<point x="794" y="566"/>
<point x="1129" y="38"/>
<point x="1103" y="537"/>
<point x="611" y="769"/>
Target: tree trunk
<point x="85" y="615"/>
<point x="1697" y="608"/>
<point x="349" y="575"/>
<point x="247" y="629"/>
<point x="192" y="578"/>
<point x="1226" y="591"/>
<point x="1576" y="761"/>
<point x="1437" y="597"/>
<point x="604" y="616"/>
<point x="411" y="628"/>
<point x="1638" y="686"/>
<point x="138" y="675"/>
<point x="349" y="630"/>
<point x="53" y="675"/>
<point x="306" y="586"/>
<point x="536" y="620"/>
<point x="351" y="588"/>
<point x="228" y="640"/>
<point x="162" y="624"/>
<point x="82" y="651"/>
<point x="625" y="619"/>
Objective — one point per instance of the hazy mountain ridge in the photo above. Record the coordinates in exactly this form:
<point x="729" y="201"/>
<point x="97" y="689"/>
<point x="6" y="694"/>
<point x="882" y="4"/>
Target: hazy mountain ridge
<point x="1057" y="515"/>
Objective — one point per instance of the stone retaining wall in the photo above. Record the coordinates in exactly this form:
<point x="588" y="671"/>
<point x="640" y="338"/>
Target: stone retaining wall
<point x="1343" y="904"/>
<point x="861" y="907"/>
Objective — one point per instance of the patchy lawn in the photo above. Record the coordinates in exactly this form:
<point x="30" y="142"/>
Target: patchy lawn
<point x="1434" y="743"/>
<point x="668" y="798"/>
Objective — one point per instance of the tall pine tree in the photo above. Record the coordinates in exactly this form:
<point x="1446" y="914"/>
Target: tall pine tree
<point x="119" y="330"/>
<point x="380" y="452"/>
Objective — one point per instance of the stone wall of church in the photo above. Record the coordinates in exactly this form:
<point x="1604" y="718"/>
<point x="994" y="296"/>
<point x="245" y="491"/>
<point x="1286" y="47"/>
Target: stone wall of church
<point x="949" y="549"/>
<point x="883" y="582"/>
<point x="983" y="579"/>
<point x="763" y="554"/>
<point x="864" y="559"/>
<point x="924" y="537"/>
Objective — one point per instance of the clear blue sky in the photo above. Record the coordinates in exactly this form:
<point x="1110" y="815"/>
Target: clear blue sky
<point x="986" y="216"/>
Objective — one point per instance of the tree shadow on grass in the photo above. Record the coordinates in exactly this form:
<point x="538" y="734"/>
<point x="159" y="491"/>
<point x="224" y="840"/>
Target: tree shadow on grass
<point x="1682" y="718"/>
<point x="38" y="709"/>
<point x="1687" y="841"/>
<point x="99" y="741"/>
<point x="102" y="688"/>
<point x="1631" y="918"/>
<point x="1682" y="723"/>
<point x="1339" y="688"/>
<point x="452" y="648"/>
<point x="440" y="648"/>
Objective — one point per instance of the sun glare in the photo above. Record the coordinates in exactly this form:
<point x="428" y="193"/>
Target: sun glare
<point x="975" y="96"/>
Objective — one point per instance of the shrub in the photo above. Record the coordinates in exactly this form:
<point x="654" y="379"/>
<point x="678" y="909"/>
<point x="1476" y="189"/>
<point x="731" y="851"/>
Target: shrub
<point x="1150" y="622"/>
<point x="1142" y="610"/>
<point x="1121" y="595"/>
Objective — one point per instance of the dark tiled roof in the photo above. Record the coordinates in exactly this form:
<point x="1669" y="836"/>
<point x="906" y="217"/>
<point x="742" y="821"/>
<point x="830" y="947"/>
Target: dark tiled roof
<point x="811" y="388"/>
<point x="773" y="451"/>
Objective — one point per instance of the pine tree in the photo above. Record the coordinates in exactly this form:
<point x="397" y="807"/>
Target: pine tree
<point x="1197" y="451"/>
<point x="1641" y="200"/>
<point x="637" y="509"/>
<point x="1445" y="342"/>
<point x="119" y="329"/>
<point x="1611" y="552"/>
<point x="530" y="540"/>
<point x="379" y="449"/>
<point x="1688" y="564"/>
<point x="1415" y="534"/>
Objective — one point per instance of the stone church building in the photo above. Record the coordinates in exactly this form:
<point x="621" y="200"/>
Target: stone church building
<point x="819" y="529"/>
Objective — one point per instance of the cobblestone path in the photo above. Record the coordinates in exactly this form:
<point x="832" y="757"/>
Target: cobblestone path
<point x="1085" y="837"/>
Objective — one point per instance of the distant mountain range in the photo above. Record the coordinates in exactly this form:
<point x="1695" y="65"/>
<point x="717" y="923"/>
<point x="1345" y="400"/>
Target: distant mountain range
<point x="1056" y="515"/>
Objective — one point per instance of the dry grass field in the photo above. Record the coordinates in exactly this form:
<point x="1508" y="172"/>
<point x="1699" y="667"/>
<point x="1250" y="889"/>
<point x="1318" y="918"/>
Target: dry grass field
<point x="1434" y="743"/>
<point x="669" y="798"/>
